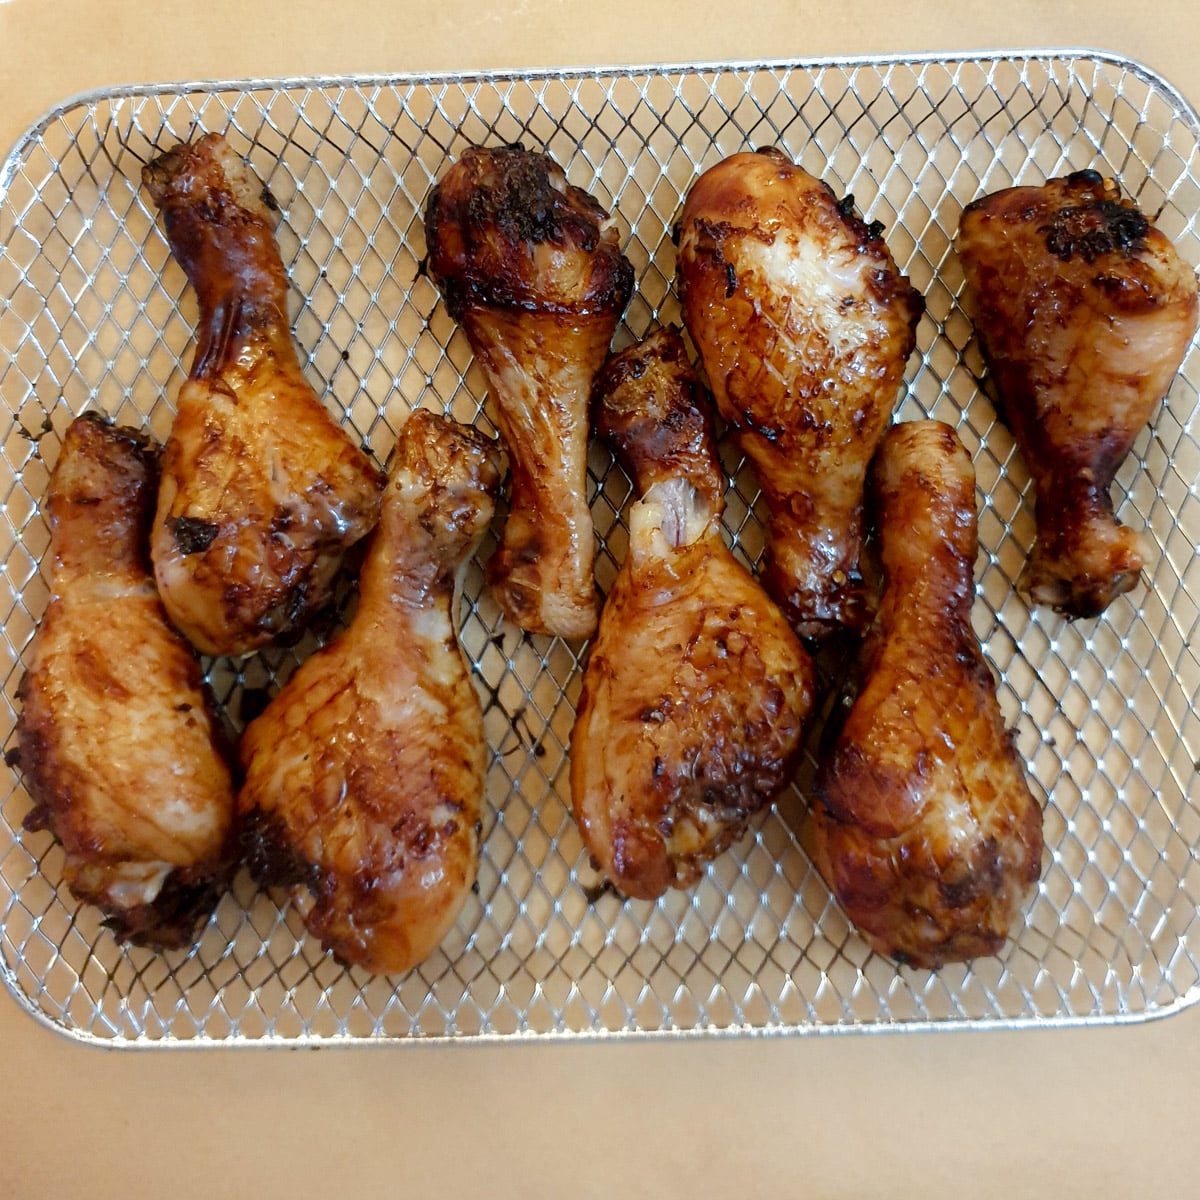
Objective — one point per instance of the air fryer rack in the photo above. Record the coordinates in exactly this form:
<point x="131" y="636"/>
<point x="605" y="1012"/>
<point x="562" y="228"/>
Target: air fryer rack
<point x="95" y="314"/>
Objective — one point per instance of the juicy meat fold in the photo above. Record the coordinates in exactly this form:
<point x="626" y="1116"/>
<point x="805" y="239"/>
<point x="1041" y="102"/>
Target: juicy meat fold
<point x="117" y="740"/>
<point x="532" y="269"/>
<point x="261" y="491"/>
<point x="696" y="689"/>
<point x="923" y="823"/>
<point x="804" y="326"/>
<point x="1084" y="312"/>
<point x="364" y="776"/>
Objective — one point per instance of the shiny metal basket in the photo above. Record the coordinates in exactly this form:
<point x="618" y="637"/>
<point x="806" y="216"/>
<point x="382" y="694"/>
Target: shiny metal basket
<point x="95" y="314"/>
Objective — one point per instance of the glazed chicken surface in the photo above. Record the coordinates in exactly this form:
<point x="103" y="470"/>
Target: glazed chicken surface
<point x="531" y="267"/>
<point x="1084" y="312"/>
<point x="804" y="326"/>
<point x="116" y="740"/>
<point x="364" y="776"/>
<point x="696" y="689"/>
<point x="261" y="491"/>
<point x="923" y="824"/>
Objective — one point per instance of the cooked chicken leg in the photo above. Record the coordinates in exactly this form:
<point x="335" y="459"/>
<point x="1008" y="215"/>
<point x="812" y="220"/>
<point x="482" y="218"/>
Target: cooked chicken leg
<point x="116" y="738"/>
<point x="532" y="269"/>
<point x="804" y="326"/>
<point x="261" y="492"/>
<point x="364" y="776"/>
<point x="923" y="823"/>
<point x="696" y="690"/>
<point x="1084" y="312"/>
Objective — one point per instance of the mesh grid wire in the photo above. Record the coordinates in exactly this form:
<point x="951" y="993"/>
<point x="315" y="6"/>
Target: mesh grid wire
<point x="95" y="314"/>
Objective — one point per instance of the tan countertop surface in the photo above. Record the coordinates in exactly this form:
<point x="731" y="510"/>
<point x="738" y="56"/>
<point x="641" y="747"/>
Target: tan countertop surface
<point x="1058" y="1113"/>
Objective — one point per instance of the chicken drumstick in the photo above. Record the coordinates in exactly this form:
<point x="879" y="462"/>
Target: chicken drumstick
<point x="696" y="690"/>
<point x="117" y="740"/>
<point x="804" y="326"/>
<point x="1084" y="312"/>
<point x="923" y="823"/>
<point x="261" y="491"/>
<point x="364" y="776"/>
<point x="532" y="269"/>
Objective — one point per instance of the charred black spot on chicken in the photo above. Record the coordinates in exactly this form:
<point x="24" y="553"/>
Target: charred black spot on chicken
<point x="270" y="856"/>
<point x="192" y="535"/>
<point x="1094" y="230"/>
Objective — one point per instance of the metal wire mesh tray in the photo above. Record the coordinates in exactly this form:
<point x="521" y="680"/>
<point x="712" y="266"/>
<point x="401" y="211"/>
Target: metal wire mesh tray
<point x="94" y="313"/>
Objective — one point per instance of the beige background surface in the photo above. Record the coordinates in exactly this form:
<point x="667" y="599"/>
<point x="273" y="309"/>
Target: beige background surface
<point x="1107" y="1112"/>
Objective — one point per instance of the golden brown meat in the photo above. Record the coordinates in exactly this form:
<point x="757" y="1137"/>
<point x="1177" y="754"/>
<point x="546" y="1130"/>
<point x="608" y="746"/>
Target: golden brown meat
<point x="116" y="739"/>
<point x="261" y="491"/>
<point x="923" y="823"/>
<point x="696" y="690"/>
<point x="804" y="326"/>
<point x="364" y="776"/>
<point x="1084" y="312"/>
<point x="532" y="269"/>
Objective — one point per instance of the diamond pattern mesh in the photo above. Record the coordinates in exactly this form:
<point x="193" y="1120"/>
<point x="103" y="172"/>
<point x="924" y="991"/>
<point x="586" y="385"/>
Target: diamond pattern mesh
<point x="94" y="313"/>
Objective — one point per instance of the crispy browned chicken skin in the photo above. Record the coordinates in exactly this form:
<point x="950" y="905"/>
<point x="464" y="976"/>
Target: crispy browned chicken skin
<point x="804" y="326"/>
<point x="261" y="491"/>
<point x="532" y="269"/>
<point x="117" y="742"/>
<point x="923" y="823"/>
<point x="364" y="776"/>
<point x="696" y="690"/>
<point x="1084" y="312"/>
